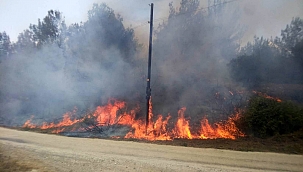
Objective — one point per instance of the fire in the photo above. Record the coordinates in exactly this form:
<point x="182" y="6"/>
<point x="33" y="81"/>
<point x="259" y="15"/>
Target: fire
<point x="57" y="128"/>
<point x="28" y="123"/>
<point x="267" y="96"/>
<point x="66" y="121"/>
<point x="226" y="130"/>
<point x="159" y="128"/>
<point x="154" y="131"/>
<point x="106" y="115"/>
<point x="182" y="127"/>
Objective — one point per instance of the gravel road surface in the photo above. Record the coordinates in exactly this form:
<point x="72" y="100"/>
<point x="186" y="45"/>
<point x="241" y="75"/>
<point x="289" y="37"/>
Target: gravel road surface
<point x="58" y="153"/>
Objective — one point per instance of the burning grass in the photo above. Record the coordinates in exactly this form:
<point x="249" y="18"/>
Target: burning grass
<point x="113" y="120"/>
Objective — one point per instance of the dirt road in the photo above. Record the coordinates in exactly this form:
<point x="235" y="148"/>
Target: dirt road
<point x="58" y="153"/>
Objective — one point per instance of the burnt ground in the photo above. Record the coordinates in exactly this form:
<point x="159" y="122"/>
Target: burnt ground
<point x="289" y="144"/>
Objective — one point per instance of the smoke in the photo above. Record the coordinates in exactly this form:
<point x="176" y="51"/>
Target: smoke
<point x="101" y="59"/>
<point x="96" y="61"/>
<point x="191" y="52"/>
<point x="39" y="85"/>
<point x="261" y="18"/>
<point x="267" y="18"/>
<point x="86" y="66"/>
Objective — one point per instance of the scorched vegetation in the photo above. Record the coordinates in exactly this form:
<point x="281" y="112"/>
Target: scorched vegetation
<point x="204" y="85"/>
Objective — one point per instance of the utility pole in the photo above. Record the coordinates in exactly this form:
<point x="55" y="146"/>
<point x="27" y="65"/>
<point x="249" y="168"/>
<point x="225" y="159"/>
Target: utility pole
<point x="148" y="89"/>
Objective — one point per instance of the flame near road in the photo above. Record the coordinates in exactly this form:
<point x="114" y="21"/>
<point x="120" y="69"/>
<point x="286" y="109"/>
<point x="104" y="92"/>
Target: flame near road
<point x="158" y="128"/>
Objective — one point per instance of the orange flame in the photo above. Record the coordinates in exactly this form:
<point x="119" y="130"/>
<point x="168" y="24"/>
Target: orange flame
<point x="226" y="130"/>
<point x="267" y="96"/>
<point x="106" y="115"/>
<point x="66" y="121"/>
<point x="114" y="113"/>
<point x="155" y="131"/>
<point x="28" y="123"/>
<point x="182" y="129"/>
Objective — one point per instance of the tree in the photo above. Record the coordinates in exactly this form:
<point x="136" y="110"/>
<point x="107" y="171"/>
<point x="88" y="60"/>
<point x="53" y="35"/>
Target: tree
<point x="191" y="50"/>
<point x="297" y="51"/>
<point x="49" y="29"/>
<point x="105" y="30"/>
<point x="292" y="34"/>
<point x="25" y="42"/>
<point x="58" y="67"/>
<point x="5" y="45"/>
<point x="257" y="62"/>
<point x="102" y="49"/>
<point x="266" y="117"/>
<point x="276" y="60"/>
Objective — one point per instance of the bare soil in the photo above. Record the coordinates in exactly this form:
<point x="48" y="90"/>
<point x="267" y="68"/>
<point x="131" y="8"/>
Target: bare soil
<point x="15" y="159"/>
<point x="45" y="152"/>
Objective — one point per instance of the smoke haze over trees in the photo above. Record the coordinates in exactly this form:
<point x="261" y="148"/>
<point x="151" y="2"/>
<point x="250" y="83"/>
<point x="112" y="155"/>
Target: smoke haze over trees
<point x="277" y="61"/>
<point x="53" y="67"/>
<point x="191" y="51"/>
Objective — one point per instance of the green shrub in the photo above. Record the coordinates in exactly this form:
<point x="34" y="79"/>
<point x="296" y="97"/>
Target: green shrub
<point x="266" y="117"/>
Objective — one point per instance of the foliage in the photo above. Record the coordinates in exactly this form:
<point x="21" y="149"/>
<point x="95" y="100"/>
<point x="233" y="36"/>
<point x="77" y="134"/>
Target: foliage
<point x="278" y="60"/>
<point x="191" y="50"/>
<point x="47" y="31"/>
<point x="103" y="37"/>
<point x="5" y="45"/>
<point x="293" y="33"/>
<point x="54" y="67"/>
<point x="106" y="29"/>
<point x="266" y="117"/>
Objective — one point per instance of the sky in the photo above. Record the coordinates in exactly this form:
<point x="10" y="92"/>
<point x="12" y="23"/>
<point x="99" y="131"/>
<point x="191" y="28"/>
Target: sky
<point x="260" y="17"/>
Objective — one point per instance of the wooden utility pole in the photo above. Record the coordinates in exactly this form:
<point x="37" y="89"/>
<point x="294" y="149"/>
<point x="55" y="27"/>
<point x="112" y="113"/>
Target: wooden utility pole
<point x="148" y="89"/>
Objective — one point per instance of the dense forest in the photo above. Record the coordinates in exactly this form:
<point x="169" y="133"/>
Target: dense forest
<point x="197" y="62"/>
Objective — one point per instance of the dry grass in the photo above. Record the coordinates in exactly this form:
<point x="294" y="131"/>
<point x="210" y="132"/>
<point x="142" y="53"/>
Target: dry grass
<point x="242" y="144"/>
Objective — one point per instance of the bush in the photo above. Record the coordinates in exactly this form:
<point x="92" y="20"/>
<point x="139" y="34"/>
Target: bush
<point x="266" y="117"/>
